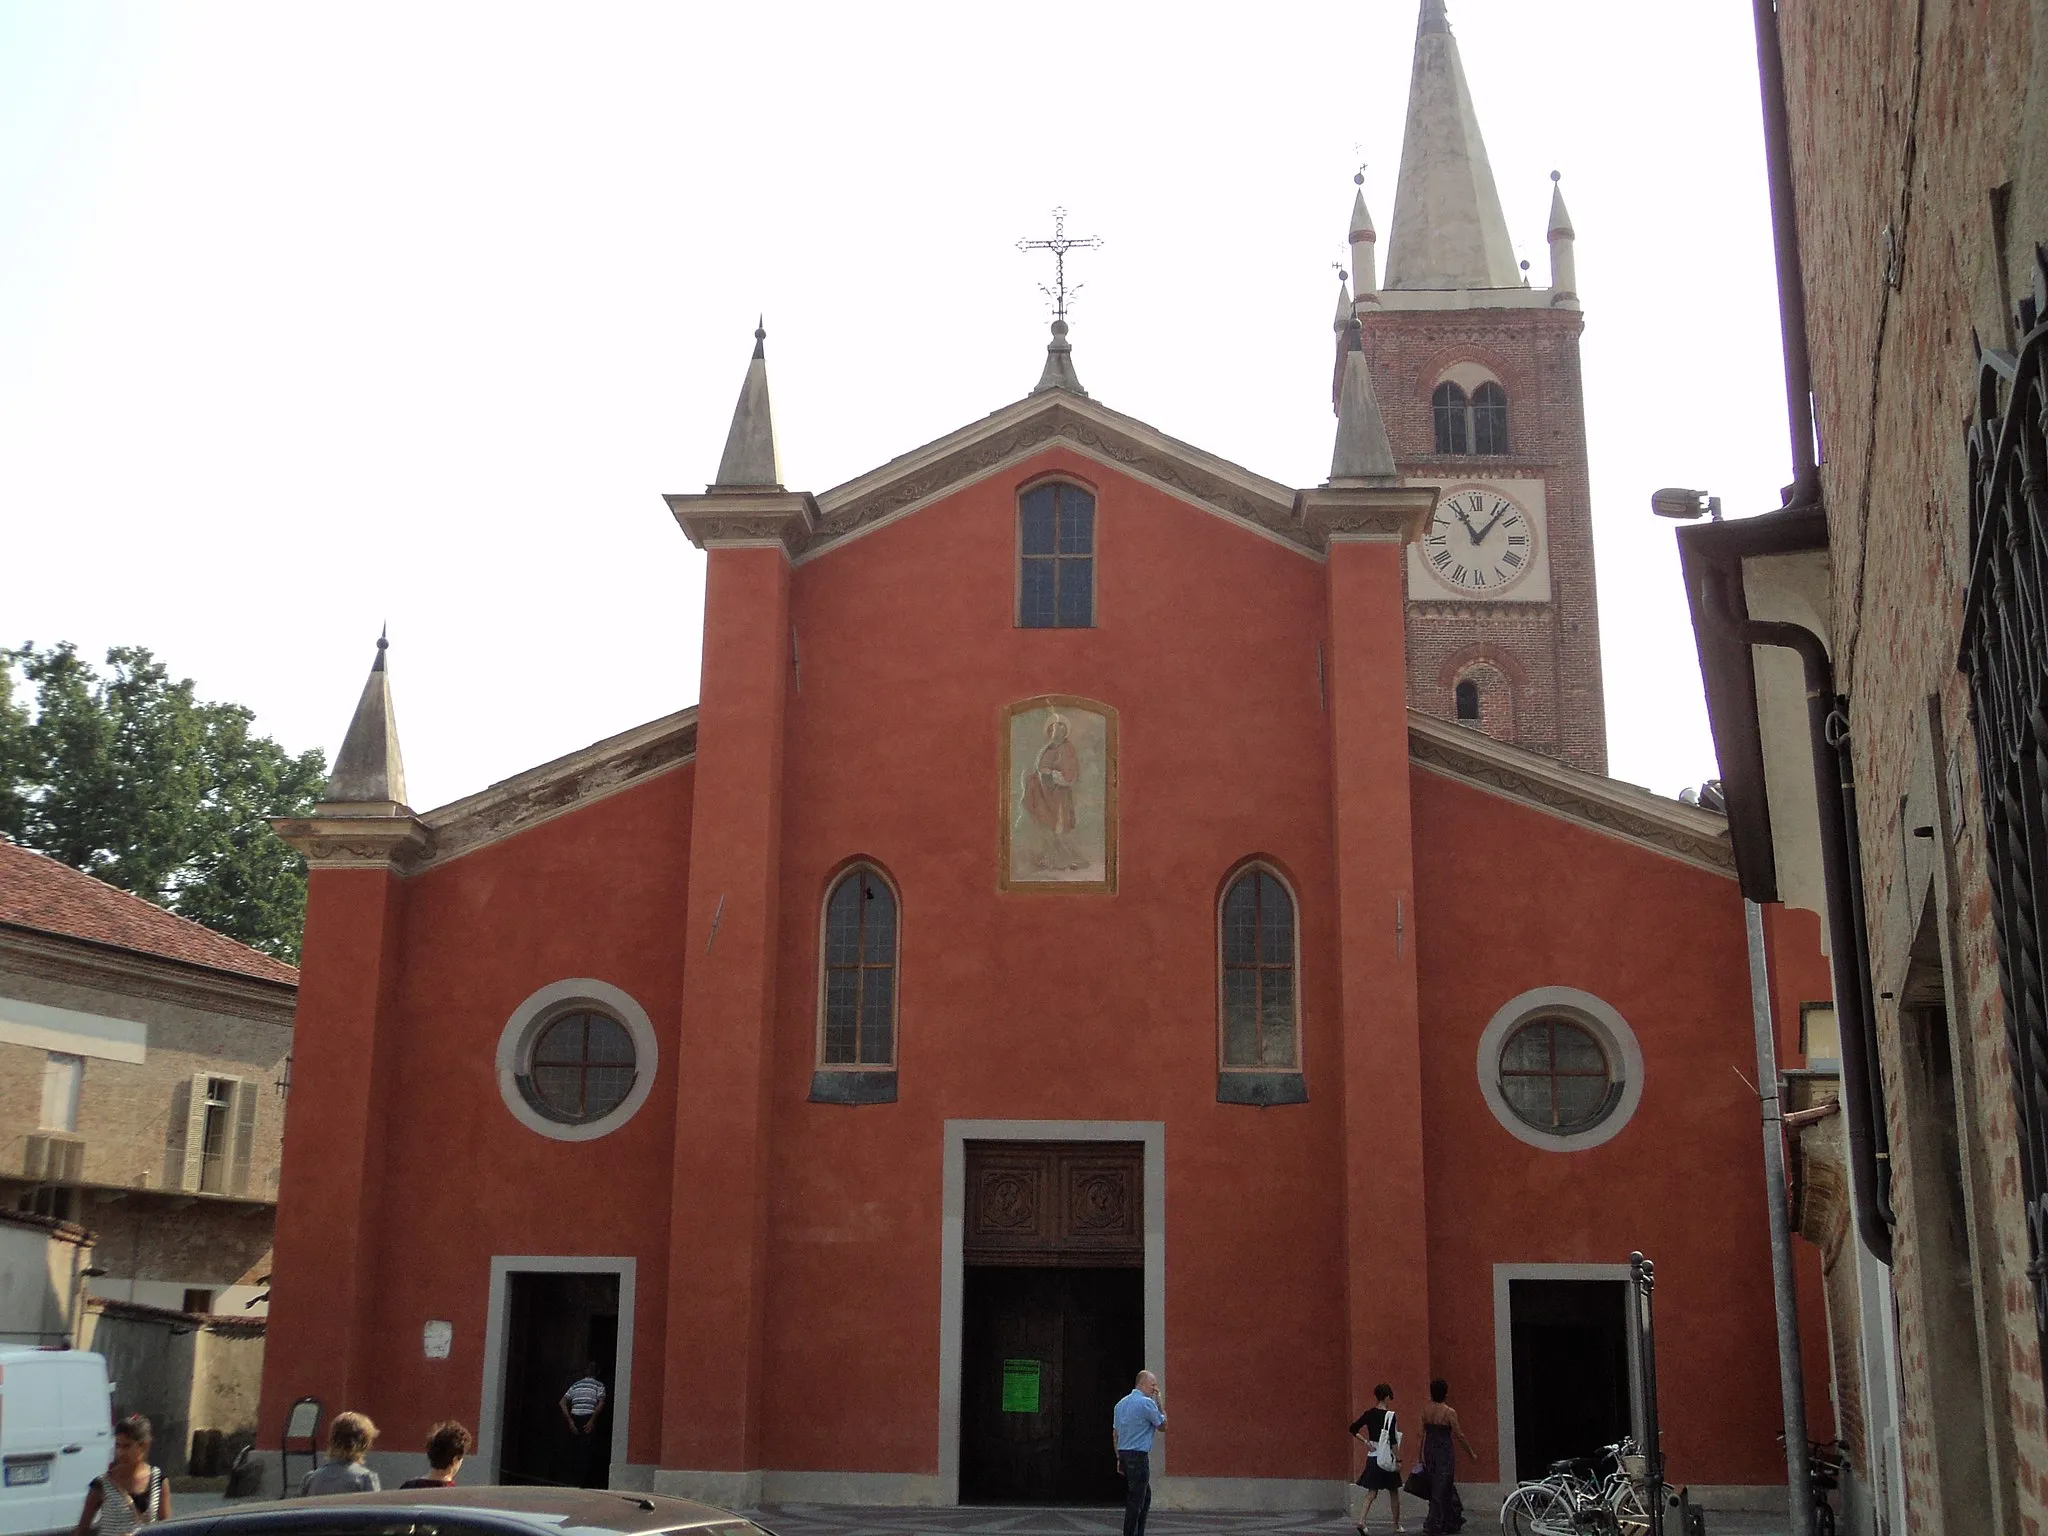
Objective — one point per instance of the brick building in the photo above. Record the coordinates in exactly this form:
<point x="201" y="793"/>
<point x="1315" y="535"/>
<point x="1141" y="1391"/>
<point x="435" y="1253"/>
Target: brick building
<point x="1053" y="944"/>
<point x="1909" y="168"/>
<point x="142" y="1064"/>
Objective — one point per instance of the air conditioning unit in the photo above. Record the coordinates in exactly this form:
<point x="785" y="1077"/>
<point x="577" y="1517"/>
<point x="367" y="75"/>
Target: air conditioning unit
<point x="54" y="1158"/>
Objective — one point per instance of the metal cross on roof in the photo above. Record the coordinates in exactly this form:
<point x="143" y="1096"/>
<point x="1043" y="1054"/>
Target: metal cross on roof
<point x="1060" y="243"/>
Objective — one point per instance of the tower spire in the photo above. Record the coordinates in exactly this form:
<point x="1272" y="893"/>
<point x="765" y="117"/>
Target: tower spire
<point x="1448" y="231"/>
<point x="368" y="769"/>
<point x="750" y="457"/>
<point x="1364" y="238"/>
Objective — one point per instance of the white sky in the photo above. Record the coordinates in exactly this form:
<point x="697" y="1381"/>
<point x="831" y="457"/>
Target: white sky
<point x="313" y="317"/>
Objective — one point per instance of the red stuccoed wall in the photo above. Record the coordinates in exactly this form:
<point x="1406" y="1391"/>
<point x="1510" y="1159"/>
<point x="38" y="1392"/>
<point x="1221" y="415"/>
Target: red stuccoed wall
<point x="596" y="893"/>
<point x="1506" y="899"/>
<point x="1041" y="1005"/>
<point x="1055" y="1005"/>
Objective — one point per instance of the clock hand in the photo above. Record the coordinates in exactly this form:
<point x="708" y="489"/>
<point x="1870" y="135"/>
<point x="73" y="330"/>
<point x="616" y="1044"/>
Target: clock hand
<point x="1460" y="513"/>
<point x="1482" y="533"/>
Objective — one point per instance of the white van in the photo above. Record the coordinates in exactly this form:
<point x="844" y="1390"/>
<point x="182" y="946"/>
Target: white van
<point x="56" y="1436"/>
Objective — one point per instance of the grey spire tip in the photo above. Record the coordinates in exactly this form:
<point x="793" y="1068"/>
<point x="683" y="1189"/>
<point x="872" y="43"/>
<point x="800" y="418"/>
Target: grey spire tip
<point x="368" y="768"/>
<point x="760" y="335"/>
<point x="750" y="458"/>
<point x="1362" y="451"/>
<point x="1433" y="19"/>
<point x="1059" y="364"/>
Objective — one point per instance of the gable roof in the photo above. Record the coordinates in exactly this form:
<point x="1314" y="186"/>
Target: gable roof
<point x="39" y="894"/>
<point x="1016" y="432"/>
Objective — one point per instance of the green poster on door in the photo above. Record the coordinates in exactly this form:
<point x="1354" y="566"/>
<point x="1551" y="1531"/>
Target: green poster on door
<point x="1020" y="1386"/>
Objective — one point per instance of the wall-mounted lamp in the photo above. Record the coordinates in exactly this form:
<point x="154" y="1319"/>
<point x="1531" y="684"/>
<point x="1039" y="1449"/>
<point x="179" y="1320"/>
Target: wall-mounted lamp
<point x="1683" y="505"/>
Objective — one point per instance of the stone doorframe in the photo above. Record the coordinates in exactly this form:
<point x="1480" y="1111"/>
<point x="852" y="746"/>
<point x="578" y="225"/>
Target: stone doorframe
<point x="1504" y="1348"/>
<point x="953" y="1268"/>
<point x="491" y="1410"/>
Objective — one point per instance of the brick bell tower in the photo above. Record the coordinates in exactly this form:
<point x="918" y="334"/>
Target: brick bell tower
<point x="1478" y="375"/>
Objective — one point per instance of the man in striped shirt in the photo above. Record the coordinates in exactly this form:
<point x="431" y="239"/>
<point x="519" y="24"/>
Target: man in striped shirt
<point x="581" y="1405"/>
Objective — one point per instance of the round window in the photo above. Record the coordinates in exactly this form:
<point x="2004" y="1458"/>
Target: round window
<point x="581" y="1069"/>
<point x="1555" y="1076"/>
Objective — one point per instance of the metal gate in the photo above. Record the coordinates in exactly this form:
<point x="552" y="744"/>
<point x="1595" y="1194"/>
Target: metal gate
<point x="2005" y="657"/>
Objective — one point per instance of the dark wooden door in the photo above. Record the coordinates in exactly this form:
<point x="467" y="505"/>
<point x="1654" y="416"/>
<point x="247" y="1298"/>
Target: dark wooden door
<point x="1045" y="1354"/>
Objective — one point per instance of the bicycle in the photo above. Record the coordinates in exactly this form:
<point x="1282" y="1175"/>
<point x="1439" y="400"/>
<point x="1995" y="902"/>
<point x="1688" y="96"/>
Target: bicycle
<point x="1576" y="1500"/>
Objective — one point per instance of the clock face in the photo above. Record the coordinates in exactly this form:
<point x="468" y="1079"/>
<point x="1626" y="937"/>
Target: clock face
<point x="1479" y="542"/>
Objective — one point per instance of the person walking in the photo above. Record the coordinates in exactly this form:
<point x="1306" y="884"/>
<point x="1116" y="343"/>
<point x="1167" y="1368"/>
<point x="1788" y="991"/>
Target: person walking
<point x="581" y="1406"/>
<point x="349" y="1439"/>
<point x="447" y="1443"/>
<point x="130" y="1493"/>
<point x="1137" y="1417"/>
<point x="1440" y="1462"/>
<point x="1382" y="1438"/>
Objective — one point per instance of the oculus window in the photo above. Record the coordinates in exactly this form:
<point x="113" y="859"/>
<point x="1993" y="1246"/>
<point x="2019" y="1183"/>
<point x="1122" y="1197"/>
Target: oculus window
<point x="576" y="1060"/>
<point x="581" y="1067"/>
<point x="1554" y="1074"/>
<point x="1056" y="557"/>
<point x="1560" y="1069"/>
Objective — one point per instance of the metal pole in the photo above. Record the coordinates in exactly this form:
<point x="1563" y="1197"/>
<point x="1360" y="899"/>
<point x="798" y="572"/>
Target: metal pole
<point x="1642" y="1281"/>
<point x="1791" y="1379"/>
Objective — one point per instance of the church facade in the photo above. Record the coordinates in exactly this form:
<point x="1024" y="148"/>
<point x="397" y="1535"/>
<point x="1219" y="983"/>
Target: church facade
<point x="1106" y="909"/>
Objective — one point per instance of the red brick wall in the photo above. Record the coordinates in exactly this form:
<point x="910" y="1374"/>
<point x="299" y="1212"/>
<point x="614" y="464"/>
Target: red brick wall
<point x="1558" y="706"/>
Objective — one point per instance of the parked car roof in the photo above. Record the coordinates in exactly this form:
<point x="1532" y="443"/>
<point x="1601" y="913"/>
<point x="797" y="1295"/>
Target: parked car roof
<point x="513" y="1511"/>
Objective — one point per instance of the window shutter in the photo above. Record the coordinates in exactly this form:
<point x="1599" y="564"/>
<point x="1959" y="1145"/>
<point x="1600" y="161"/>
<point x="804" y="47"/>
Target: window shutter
<point x="245" y="1137"/>
<point x="195" y="1132"/>
<point x="176" y="1137"/>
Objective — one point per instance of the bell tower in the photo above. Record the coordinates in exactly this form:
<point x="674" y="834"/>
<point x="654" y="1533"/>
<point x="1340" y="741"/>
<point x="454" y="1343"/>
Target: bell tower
<point x="1478" y="375"/>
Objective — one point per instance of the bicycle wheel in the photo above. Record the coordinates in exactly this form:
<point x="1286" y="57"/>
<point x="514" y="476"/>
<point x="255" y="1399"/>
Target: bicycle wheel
<point x="1823" y="1518"/>
<point x="1625" y="1498"/>
<point x="1536" y="1509"/>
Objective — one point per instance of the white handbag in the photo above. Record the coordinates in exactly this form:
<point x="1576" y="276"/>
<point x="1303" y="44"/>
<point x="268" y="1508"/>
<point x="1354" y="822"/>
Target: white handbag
<point x="1386" y="1451"/>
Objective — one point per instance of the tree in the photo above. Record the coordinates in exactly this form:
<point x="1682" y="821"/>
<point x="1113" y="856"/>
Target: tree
<point x="129" y="777"/>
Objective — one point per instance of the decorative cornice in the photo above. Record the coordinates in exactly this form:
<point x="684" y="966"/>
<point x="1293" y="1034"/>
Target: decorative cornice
<point x="97" y="967"/>
<point x="911" y="481"/>
<point x="397" y="843"/>
<point x="1682" y="832"/>
<point x="1380" y="514"/>
<point x="566" y="784"/>
<point x="725" y="516"/>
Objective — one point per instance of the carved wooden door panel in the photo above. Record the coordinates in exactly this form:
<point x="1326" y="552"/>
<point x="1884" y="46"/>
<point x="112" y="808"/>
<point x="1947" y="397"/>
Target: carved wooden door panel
<point x="1055" y="1202"/>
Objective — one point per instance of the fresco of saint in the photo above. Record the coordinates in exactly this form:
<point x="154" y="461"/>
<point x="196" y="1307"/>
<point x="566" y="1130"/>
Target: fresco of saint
<point x="1059" y="799"/>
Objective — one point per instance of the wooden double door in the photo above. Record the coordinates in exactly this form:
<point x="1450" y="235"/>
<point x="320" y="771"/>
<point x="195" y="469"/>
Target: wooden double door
<point x="1054" y="1326"/>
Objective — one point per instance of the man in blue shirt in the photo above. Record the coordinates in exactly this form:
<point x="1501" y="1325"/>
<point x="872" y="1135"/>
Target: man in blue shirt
<point x="1136" y="1419"/>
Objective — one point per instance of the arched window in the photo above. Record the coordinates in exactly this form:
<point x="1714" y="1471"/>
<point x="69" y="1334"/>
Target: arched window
<point x="1489" y="419"/>
<point x="1467" y="693"/>
<point x="858" y="1029"/>
<point x="1258" y="963"/>
<point x="1056" y="557"/>
<point x="1447" y="404"/>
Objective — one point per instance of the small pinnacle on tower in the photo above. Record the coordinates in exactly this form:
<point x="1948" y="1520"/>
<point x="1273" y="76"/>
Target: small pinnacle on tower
<point x="1343" y="304"/>
<point x="1059" y="364"/>
<point x="1364" y="241"/>
<point x="1564" y="275"/>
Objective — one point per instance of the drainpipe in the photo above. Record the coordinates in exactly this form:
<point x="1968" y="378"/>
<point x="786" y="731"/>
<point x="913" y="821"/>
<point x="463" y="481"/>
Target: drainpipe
<point x="1791" y="1379"/>
<point x="1770" y="68"/>
<point x="1834" y="783"/>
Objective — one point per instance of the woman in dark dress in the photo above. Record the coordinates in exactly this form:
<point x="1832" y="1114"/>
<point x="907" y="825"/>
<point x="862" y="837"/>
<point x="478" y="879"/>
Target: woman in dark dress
<point x="1439" y="1462"/>
<point x="1371" y="1426"/>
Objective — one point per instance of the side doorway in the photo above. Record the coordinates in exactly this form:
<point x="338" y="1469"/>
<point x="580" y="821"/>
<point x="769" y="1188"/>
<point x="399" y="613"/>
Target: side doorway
<point x="1568" y="1367"/>
<point x="559" y="1326"/>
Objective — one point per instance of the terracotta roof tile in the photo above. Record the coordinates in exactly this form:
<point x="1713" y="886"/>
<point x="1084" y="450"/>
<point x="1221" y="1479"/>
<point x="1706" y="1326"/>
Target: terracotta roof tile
<point x="48" y="897"/>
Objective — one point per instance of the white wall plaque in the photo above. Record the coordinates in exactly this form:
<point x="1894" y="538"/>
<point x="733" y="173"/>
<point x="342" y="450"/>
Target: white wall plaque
<point x="438" y="1338"/>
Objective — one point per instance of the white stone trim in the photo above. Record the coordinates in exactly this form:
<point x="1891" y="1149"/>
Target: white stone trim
<point x="1504" y="1352"/>
<point x="45" y="1027"/>
<point x="953" y="1267"/>
<point x="538" y="1010"/>
<point x="490" y="1414"/>
<point x="1583" y="1008"/>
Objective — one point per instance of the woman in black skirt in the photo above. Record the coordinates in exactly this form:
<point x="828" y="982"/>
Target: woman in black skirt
<point x="1375" y="1427"/>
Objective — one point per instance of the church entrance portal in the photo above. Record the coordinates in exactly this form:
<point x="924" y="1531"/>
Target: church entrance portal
<point x="1571" y="1376"/>
<point x="1054" y="1326"/>
<point x="556" y="1325"/>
